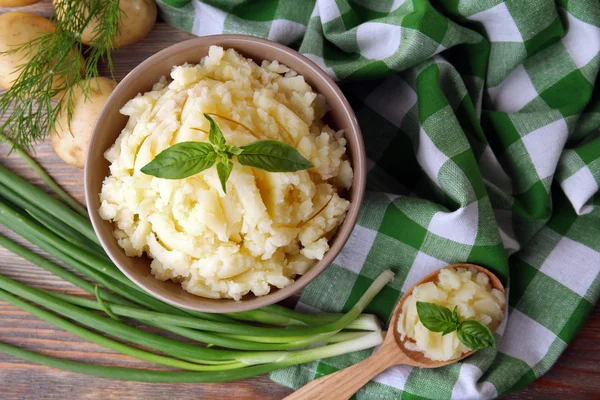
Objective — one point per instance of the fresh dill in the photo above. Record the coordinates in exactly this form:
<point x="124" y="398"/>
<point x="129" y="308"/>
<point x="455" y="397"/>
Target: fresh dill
<point x="29" y="109"/>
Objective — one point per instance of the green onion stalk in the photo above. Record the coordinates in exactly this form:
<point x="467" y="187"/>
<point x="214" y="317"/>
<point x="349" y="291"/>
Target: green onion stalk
<point x="225" y="347"/>
<point x="50" y="205"/>
<point x="370" y="340"/>
<point x="104" y="341"/>
<point x="47" y="179"/>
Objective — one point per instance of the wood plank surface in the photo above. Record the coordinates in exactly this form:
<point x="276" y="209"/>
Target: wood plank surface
<point x="576" y="375"/>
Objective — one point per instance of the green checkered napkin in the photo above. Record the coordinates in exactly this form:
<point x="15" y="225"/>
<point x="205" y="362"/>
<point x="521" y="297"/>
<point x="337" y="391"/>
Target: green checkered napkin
<point x="481" y="122"/>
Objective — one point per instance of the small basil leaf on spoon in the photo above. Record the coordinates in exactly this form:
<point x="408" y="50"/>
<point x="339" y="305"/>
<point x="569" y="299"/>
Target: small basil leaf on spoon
<point x="436" y="318"/>
<point x="224" y="168"/>
<point x="181" y="160"/>
<point x="273" y="156"/>
<point x="456" y="315"/>
<point x="475" y="335"/>
<point x="449" y="329"/>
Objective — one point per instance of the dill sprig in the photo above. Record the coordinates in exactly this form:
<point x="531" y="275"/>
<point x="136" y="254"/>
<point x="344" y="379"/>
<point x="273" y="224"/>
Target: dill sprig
<point x="104" y="35"/>
<point x="29" y="108"/>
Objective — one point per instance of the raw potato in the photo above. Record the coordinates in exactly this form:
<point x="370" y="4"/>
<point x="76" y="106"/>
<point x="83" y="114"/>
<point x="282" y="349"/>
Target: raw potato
<point x="17" y="3"/>
<point x="17" y="28"/>
<point x="70" y="141"/>
<point x="137" y="21"/>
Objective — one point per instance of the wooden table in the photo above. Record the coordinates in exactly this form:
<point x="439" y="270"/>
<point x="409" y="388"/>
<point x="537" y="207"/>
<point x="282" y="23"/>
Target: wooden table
<point x="576" y="375"/>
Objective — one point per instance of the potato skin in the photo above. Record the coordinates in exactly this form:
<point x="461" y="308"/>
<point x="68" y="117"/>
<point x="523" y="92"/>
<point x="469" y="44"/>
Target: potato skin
<point x="18" y="28"/>
<point x="17" y="3"/>
<point x="137" y="21"/>
<point x="70" y="141"/>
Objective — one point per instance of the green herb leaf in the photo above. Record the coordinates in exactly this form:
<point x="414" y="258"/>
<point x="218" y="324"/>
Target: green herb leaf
<point x="475" y="335"/>
<point x="456" y="315"/>
<point x="273" y="156"/>
<point x="233" y="150"/>
<point x="215" y="135"/>
<point x="436" y="318"/>
<point x="181" y="160"/>
<point x="449" y="329"/>
<point x="224" y="170"/>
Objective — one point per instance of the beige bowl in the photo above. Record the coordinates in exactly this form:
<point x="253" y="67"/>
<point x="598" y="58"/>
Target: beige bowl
<point x="110" y="123"/>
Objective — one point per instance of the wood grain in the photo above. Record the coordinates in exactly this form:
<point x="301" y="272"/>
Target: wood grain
<point x="343" y="384"/>
<point x="575" y="375"/>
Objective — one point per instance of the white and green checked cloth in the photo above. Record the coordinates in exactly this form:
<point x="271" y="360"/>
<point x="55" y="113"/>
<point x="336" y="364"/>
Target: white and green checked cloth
<point x="480" y="121"/>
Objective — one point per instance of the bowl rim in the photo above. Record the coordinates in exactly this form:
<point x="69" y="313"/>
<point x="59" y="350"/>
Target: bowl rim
<point x="358" y="182"/>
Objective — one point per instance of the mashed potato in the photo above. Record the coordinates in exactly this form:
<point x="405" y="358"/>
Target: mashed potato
<point x="468" y="289"/>
<point x="269" y="227"/>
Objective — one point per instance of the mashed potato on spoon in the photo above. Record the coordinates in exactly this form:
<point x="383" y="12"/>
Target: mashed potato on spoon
<point x="465" y="288"/>
<point x="269" y="227"/>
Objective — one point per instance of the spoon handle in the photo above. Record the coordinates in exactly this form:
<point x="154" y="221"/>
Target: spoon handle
<point x="343" y="384"/>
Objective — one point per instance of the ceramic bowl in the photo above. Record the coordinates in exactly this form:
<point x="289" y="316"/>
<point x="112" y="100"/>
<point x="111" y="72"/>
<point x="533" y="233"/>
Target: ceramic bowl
<point x="110" y="123"/>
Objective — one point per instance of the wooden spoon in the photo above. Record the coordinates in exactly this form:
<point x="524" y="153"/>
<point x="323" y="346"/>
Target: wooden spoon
<point x="343" y="384"/>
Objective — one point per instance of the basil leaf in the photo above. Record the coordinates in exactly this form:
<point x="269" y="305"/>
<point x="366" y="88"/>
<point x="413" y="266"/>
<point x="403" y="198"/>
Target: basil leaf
<point x="233" y="150"/>
<point x="215" y="135"/>
<point x="456" y="315"/>
<point x="475" y="335"/>
<point x="436" y="318"/>
<point x="223" y="155"/>
<point x="449" y="329"/>
<point x="273" y="156"/>
<point x="181" y="160"/>
<point x="224" y="170"/>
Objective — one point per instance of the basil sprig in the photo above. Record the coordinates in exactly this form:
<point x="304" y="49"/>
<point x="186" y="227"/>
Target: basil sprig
<point x="185" y="159"/>
<point x="472" y="334"/>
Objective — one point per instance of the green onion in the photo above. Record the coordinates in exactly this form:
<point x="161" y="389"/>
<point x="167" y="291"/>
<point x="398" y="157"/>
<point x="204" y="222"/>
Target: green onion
<point x="63" y="230"/>
<point x="106" y="342"/>
<point x="111" y="327"/>
<point x="104" y="307"/>
<point x="365" y="322"/>
<point x="365" y="342"/>
<point x="220" y="327"/>
<point x="278" y="315"/>
<point x="308" y="319"/>
<point x="63" y="233"/>
<point x="302" y="336"/>
<point x="48" y="221"/>
<point x="57" y="270"/>
<point x="204" y="337"/>
<point x="237" y="342"/>
<point x="265" y="317"/>
<point x="134" y="335"/>
<point x="45" y="177"/>
<point x="98" y="263"/>
<point x="50" y="204"/>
